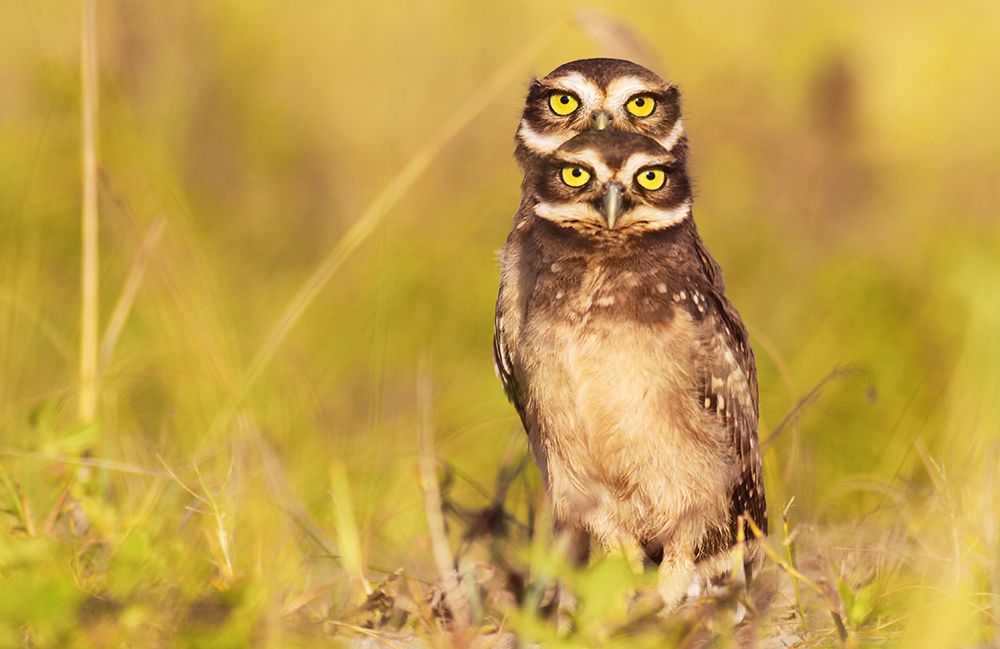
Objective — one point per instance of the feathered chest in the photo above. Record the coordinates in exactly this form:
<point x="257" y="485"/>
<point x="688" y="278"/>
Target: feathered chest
<point x="631" y="281"/>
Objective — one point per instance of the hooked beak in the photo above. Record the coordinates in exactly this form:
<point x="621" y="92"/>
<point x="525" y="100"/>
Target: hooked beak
<point x="612" y="204"/>
<point x="602" y="121"/>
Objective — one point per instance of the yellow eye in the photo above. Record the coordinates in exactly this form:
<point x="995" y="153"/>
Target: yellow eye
<point x="575" y="176"/>
<point x="563" y="103"/>
<point x="651" y="179"/>
<point x="641" y="105"/>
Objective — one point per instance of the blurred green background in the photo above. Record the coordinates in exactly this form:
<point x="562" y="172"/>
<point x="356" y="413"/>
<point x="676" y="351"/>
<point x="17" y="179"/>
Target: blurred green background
<point x="847" y="167"/>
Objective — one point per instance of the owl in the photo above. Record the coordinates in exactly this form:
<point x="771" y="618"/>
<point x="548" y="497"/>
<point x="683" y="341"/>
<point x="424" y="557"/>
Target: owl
<point x="597" y="94"/>
<point x="630" y="369"/>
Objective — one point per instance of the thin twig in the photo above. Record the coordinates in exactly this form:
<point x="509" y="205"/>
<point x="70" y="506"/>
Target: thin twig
<point x="182" y="484"/>
<point x="810" y="398"/>
<point x="222" y="538"/>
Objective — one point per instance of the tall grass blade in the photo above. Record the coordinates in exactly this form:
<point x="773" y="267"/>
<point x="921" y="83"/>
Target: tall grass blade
<point x="363" y="227"/>
<point x="348" y="535"/>
<point x="119" y="315"/>
<point x="87" y="409"/>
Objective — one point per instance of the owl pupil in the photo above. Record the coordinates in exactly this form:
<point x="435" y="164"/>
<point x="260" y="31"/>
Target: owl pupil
<point x="564" y="99"/>
<point x="576" y="173"/>
<point x="650" y="175"/>
<point x="640" y="102"/>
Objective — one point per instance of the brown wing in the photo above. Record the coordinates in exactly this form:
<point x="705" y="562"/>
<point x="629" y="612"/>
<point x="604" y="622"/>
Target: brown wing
<point x="502" y="362"/>
<point x="708" y="265"/>
<point x="729" y="389"/>
<point x="504" y="366"/>
<point x="518" y="270"/>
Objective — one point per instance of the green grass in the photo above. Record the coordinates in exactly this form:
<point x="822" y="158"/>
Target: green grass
<point x="299" y="208"/>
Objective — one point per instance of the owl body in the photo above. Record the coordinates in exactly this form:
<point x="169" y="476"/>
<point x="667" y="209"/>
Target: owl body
<point x="630" y="370"/>
<point x="627" y="450"/>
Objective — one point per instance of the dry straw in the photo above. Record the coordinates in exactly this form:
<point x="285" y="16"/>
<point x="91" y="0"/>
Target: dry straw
<point x="88" y="282"/>
<point x="365" y="224"/>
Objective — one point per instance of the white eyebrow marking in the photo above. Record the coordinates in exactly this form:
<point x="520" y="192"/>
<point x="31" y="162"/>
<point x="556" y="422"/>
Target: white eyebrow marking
<point x="589" y="93"/>
<point x="592" y="159"/>
<point x="541" y="143"/>
<point x="560" y="212"/>
<point x="636" y="162"/>
<point x="658" y="219"/>
<point x="622" y="89"/>
<point x="670" y="139"/>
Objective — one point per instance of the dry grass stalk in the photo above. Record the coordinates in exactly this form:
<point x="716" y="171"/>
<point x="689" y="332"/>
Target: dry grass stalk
<point x="825" y="593"/>
<point x="365" y="224"/>
<point x="88" y="283"/>
<point x="90" y="462"/>
<point x="56" y="510"/>
<point x="789" y="544"/>
<point x="220" y="540"/>
<point x="455" y="597"/>
<point x="16" y="501"/>
<point x="348" y="536"/>
<point x="615" y="38"/>
<point x="127" y="297"/>
<point x="44" y="326"/>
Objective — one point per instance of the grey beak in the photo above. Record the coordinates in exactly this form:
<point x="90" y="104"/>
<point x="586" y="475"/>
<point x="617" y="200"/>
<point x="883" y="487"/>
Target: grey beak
<point x="602" y="121"/>
<point x="612" y="204"/>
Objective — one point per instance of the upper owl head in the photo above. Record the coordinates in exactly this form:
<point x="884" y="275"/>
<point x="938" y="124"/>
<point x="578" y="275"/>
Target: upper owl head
<point x="597" y="94"/>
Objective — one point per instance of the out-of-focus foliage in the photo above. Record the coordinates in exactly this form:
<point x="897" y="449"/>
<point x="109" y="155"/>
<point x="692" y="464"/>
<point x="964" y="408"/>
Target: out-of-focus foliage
<point x="847" y="161"/>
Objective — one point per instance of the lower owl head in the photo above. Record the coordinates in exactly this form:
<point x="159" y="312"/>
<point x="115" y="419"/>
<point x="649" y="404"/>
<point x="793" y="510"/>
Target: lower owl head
<point x="597" y="94"/>
<point x="611" y="181"/>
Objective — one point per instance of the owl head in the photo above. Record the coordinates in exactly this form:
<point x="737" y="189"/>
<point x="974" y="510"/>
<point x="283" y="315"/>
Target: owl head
<point x="597" y="94"/>
<point x="600" y="182"/>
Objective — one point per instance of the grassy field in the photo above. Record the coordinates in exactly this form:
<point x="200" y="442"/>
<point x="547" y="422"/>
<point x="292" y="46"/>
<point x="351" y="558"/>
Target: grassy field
<point x="297" y="208"/>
